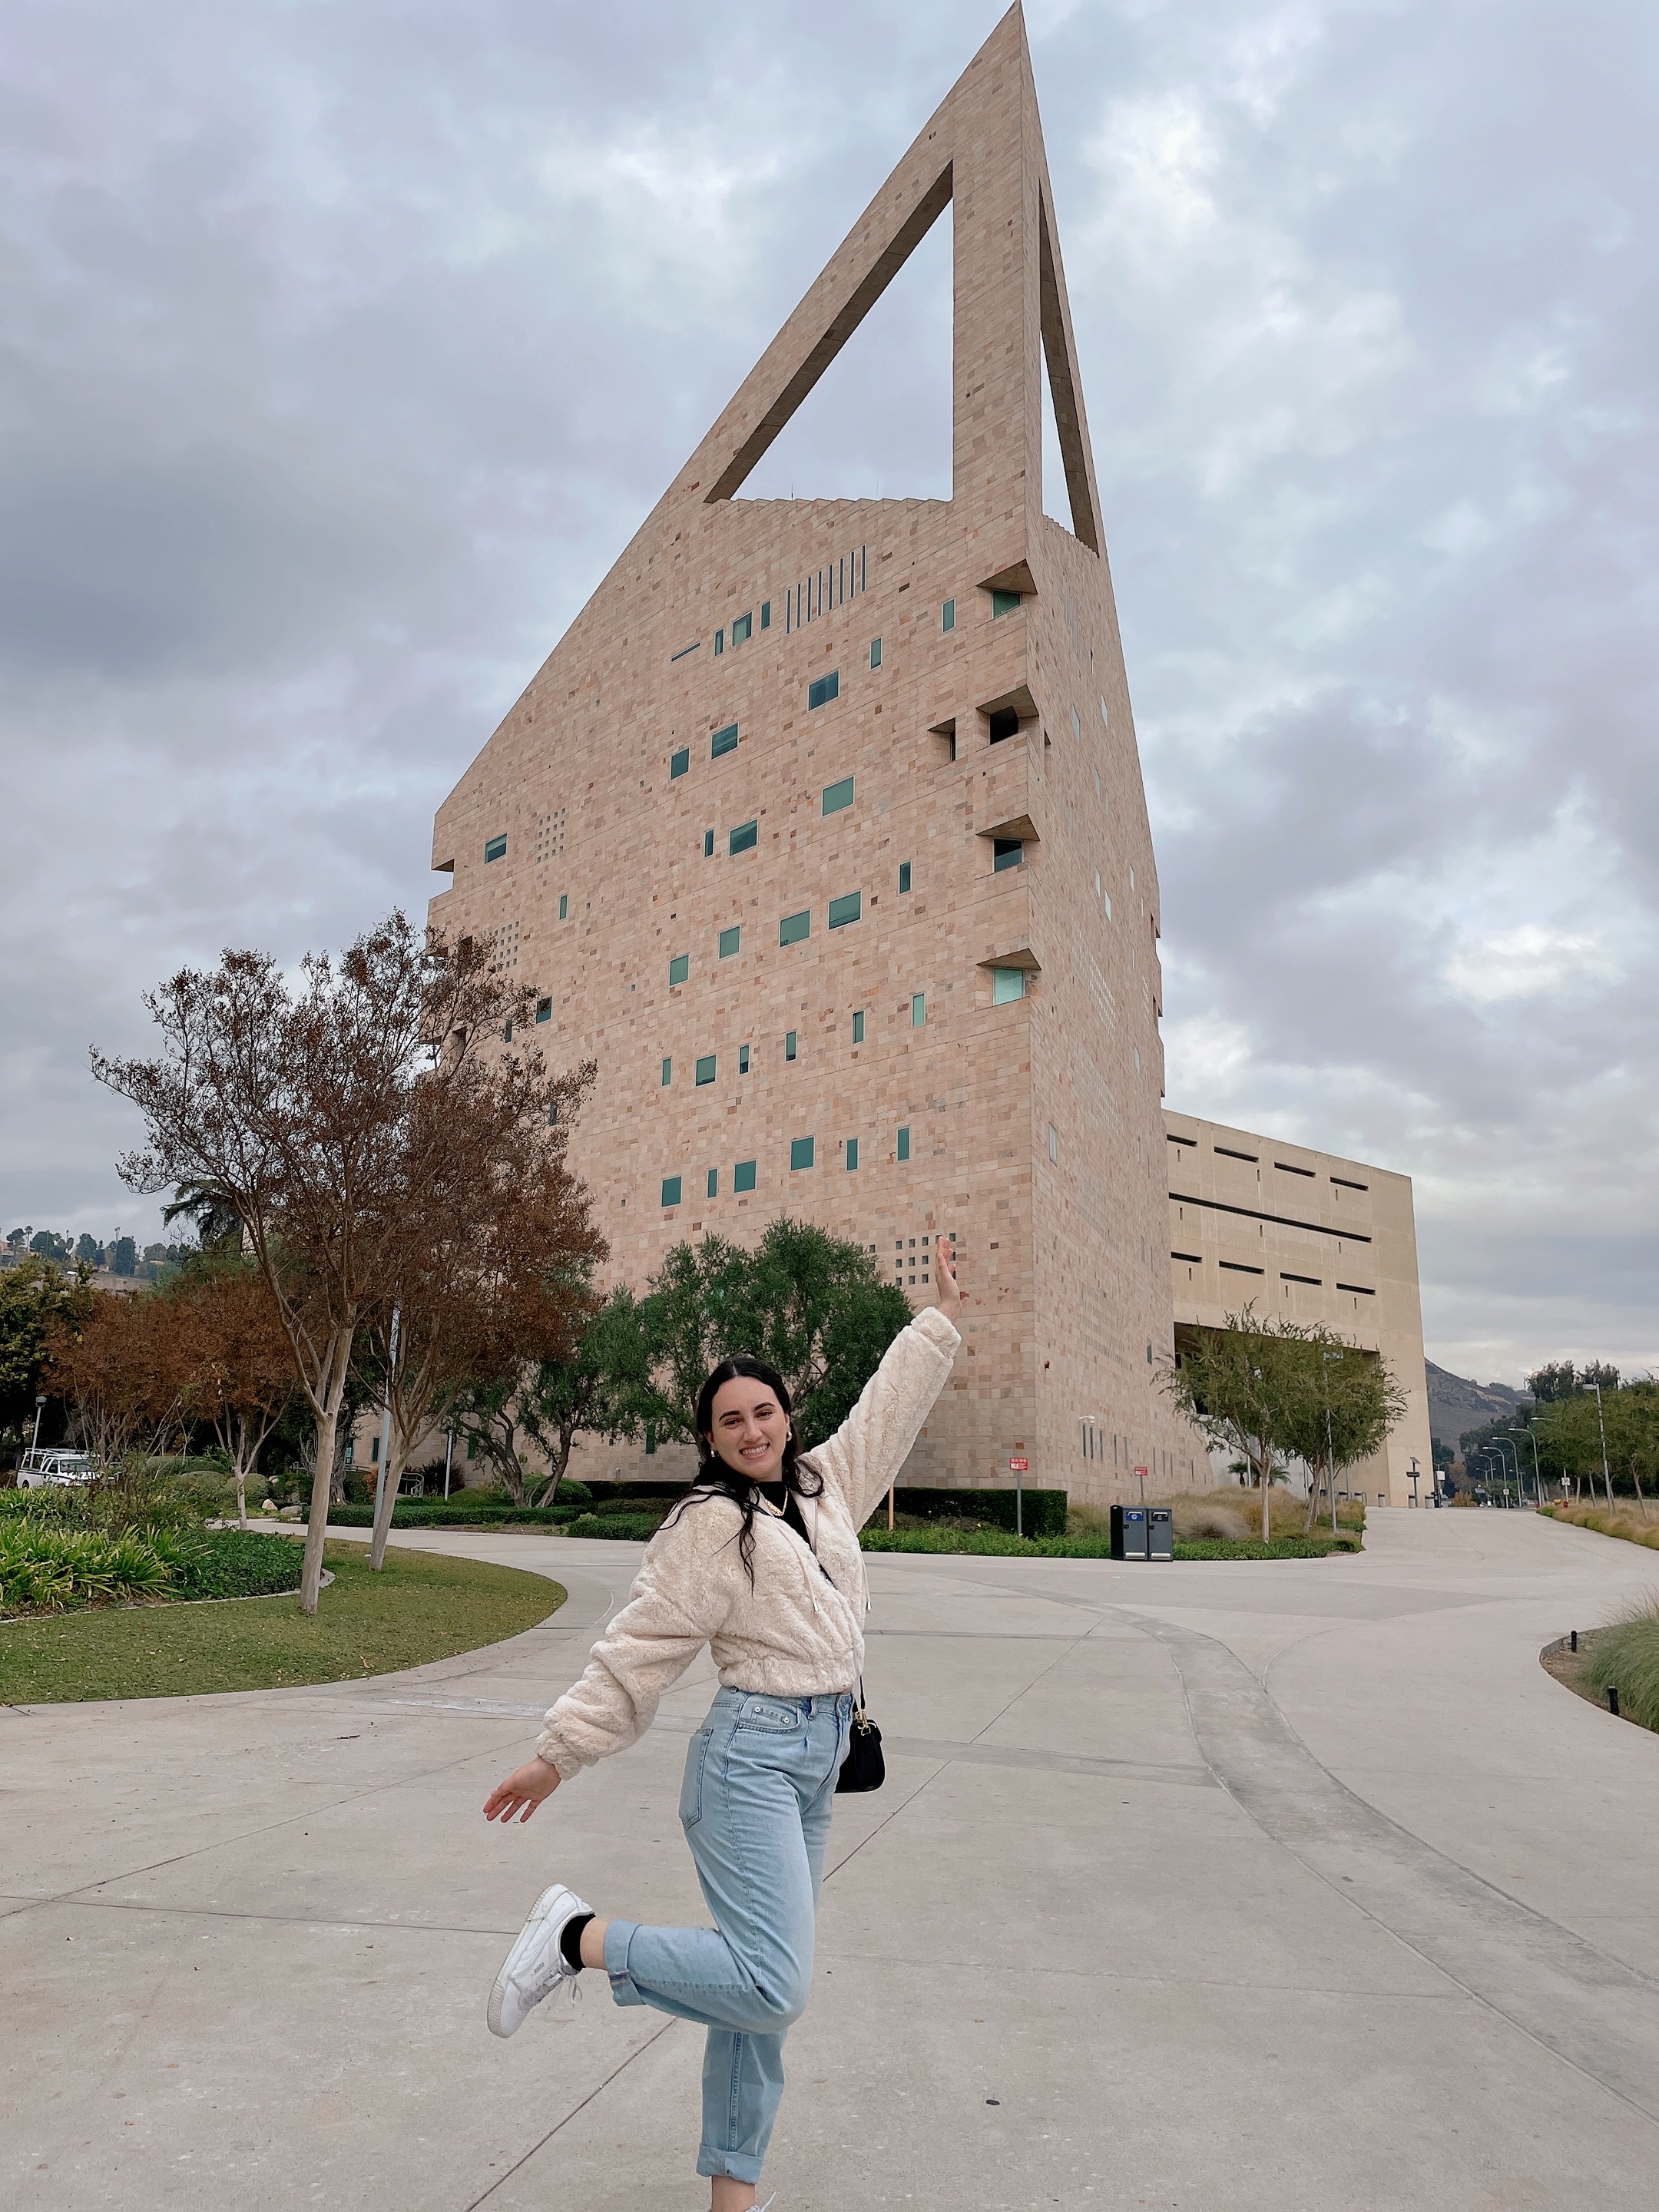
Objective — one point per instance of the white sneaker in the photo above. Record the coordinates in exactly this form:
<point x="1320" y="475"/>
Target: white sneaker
<point x="535" y="1968"/>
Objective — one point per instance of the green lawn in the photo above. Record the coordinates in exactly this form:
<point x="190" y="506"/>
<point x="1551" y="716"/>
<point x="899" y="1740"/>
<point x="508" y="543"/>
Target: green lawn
<point x="420" y="1607"/>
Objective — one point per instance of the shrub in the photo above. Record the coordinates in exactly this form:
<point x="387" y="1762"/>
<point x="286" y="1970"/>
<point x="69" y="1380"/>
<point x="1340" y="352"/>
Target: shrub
<point x="240" y="1562"/>
<point x="45" y="1566"/>
<point x="1626" y="1653"/>
<point x="1043" y="1511"/>
<point x="1624" y="1523"/>
<point x="626" y="1527"/>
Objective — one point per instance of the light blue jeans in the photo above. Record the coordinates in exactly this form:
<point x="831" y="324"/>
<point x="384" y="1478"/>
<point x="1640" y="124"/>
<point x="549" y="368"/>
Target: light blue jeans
<point x="760" y="1777"/>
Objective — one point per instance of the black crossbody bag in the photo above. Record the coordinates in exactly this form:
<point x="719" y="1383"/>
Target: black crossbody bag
<point x="864" y="1767"/>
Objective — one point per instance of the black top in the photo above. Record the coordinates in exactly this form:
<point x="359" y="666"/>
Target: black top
<point x="779" y="1495"/>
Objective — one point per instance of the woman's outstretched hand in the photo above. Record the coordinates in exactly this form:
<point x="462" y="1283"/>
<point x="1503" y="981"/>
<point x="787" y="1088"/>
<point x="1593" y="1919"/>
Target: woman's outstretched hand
<point x="947" y="1294"/>
<point x="522" y="1791"/>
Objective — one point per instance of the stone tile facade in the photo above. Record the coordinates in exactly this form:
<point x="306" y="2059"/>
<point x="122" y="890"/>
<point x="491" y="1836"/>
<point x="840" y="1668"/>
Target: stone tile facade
<point x="851" y="712"/>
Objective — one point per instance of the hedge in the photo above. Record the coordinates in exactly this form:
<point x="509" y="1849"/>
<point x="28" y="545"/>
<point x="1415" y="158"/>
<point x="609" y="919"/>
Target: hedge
<point x="1043" y="1512"/>
<point x="46" y="1567"/>
<point x="997" y="1543"/>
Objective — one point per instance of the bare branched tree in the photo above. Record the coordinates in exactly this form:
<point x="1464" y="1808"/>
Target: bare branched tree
<point x="314" y="1109"/>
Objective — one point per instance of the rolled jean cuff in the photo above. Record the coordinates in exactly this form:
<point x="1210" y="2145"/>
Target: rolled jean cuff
<point x="623" y="1988"/>
<point x="711" y="2163"/>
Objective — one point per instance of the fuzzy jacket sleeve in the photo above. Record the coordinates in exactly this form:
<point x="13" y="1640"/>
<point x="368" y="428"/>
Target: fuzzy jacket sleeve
<point x="679" y="1601"/>
<point x="867" y="1452"/>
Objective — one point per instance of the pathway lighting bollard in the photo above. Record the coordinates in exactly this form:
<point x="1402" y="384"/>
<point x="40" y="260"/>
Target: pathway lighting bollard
<point x="1613" y="1699"/>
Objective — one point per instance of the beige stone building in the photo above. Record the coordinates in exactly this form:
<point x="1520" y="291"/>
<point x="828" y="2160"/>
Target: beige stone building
<point x="822" y="831"/>
<point x="1306" y="1237"/>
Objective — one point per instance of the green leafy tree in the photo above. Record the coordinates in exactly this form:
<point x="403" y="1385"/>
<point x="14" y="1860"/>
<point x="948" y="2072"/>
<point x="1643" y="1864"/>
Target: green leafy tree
<point x="88" y="1252"/>
<point x="1569" y="1432"/>
<point x="810" y="1304"/>
<point x="33" y="1295"/>
<point x="1349" y="1403"/>
<point x="596" y="1391"/>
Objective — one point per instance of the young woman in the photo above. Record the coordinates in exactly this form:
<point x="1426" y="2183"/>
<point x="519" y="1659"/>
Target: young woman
<point x="762" y="1563"/>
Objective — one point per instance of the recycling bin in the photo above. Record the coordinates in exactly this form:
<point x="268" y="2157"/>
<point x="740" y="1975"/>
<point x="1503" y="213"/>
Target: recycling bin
<point x="1128" y="1532"/>
<point x="1160" y="1532"/>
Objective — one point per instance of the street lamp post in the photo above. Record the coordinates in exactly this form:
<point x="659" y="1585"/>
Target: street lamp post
<point x="1326" y="1355"/>
<point x="34" y="1441"/>
<point x="1606" y="1472"/>
<point x="1497" y="1446"/>
<point x="1537" y="1479"/>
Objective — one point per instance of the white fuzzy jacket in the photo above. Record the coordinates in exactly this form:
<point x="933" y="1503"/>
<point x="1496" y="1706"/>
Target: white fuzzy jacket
<point x="793" y="1633"/>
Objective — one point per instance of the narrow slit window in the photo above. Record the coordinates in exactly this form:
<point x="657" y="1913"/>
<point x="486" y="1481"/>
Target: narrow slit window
<point x="742" y="1175"/>
<point x="714" y="1190"/>
<point x="766" y="614"/>
<point x="947" y="615"/>
<point x="719" y="643"/>
<point x="904" y="875"/>
<point x="903" y="1146"/>
<point x="875" y="653"/>
<point x="742" y="1060"/>
<point x="709" y="844"/>
<point x="789" y="1044"/>
<point x="668" y="1072"/>
<point x="743" y="838"/>
<point x="564" y="906"/>
<point x="495" y="849"/>
<point x="852" y="1154"/>
<point x="858" y="1027"/>
<point x="723" y="742"/>
<point x="848" y="908"/>
<point x="838" y="795"/>
<point x="919" y="1010"/>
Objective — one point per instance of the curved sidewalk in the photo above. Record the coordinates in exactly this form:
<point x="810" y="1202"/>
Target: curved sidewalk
<point x="1295" y="1884"/>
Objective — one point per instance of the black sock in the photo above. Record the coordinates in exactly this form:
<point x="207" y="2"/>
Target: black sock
<point x="570" y="1940"/>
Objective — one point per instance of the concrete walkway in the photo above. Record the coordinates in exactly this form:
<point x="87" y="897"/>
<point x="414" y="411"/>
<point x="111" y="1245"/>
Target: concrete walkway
<point x="1288" y="1885"/>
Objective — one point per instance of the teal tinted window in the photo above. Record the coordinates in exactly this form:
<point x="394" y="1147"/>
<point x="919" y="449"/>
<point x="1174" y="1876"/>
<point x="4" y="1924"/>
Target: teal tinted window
<point x="496" y="849"/>
<point x="729" y="942"/>
<point x="742" y="1060"/>
<point x="837" y="795"/>
<point x="766" y="614"/>
<point x="564" y="906"/>
<point x="947" y="615"/>
<point x="671" y="1190"/>
<point x="668" y="1070"/>
<point x="800" y="1151"/>
<point x="543" y="1010"/>
<point x="852" y="1153"/>
<point x="679" y="763"/>
<point x="650" y="1437"/>
<point x="708" y="844"/>
<point x="705" y="1068"/>
<point x="858" y="1029"/>
<point x="918" y="1010"/>
<point x="714" y="1190"/>
<point x="680" y="968"/>
<point x="904" y="875"/>
<point x="723" y="742"/>
<point x="719" y="642"/>
<point x="741" y="630"/>
<point x="904" y="1144"/>
<point x="826" y="688"/>
<point x="789" y="1044"/>
<point x="742" y="1175"/>
<point x="1007" y="984"/>
<point x="1004" y="603"/>
<point x="1005" y="852"/>
<point x="875" y="653"/>
<point x="745" y="836"/>
<point x="843" y="910"/>
<point x="794" y="927"/>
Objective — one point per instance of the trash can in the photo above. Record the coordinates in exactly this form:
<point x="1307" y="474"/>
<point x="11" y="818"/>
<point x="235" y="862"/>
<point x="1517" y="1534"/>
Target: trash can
<point x="1128" y="1532"/>
<point x="1160" y="1532"/>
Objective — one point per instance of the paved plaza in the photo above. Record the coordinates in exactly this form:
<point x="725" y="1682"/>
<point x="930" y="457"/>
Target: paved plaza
<point x="1288" y="1885"/>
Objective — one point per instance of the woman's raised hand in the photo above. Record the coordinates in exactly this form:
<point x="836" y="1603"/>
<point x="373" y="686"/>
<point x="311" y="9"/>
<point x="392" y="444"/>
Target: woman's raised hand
<point x="947" y="1296"/>
<point x="522" y="1791"/>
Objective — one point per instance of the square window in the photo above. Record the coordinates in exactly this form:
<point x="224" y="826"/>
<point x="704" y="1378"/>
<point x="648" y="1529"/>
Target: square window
<point x="843" y="910"/>
<point x="1004" y="603"/>
<point x="729" y="942"/>
<point x="875" y="653"/>
<point x="714" y="1190"/>
<point x="720" y="642"/>
<point x="823" y="689"/>
<point x="837" y="795"/>
<point x="794" y="927"/>
<point x="858" y="1027"/>
<point x="723" y="742"/>
<point x="1006" y="852"/>
<point x="679" y="763"/>
<point x="1006" y="984"/>
<point x="919" y="1010"/>
<point x="679" y="968"/>
<point x="742" y="1060"/>
<point x="1004" y="724"/>
<point x="904" y="1144"/>
<point x="947" y="615"/>
<point x="707" y="844"/>
<point x="789" y="1044"/>
<point x="743" y="630"/>
<point x="671" y="1190"/>
<point x="543" y="1010"/>
<point x="766" y="614"/>
<point x="495" y="849"/>
<point x="852" y="1154"/>
<point x="743" y="838"/>
<point x="668" y="1072"/>
<point x="904" y="875"/>
<point x="564" y="906"/>
<point x="800" y="1152"/>
<point x="742" y="1175"/>
<point x="705" y="1068"/>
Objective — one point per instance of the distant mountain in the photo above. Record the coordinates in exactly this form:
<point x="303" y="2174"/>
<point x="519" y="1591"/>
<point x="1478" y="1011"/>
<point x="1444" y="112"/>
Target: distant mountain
<point x="1456" y="1404"/>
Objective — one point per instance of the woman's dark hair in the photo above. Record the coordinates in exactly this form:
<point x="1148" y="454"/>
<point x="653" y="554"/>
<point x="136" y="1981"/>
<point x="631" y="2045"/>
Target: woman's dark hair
<point x="715" y="1478"/>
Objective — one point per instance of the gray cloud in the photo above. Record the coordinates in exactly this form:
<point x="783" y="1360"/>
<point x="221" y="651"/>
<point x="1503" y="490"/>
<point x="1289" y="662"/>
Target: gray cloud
<point x="340" y="350"/>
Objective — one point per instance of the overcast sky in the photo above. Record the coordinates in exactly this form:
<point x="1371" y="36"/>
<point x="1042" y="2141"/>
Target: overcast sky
<point x="342" y="347"/>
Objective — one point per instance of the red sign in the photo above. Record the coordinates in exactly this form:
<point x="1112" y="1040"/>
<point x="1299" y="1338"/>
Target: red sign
<point x="1141" y="1472"/>
<point x="1019" y="1467"/>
